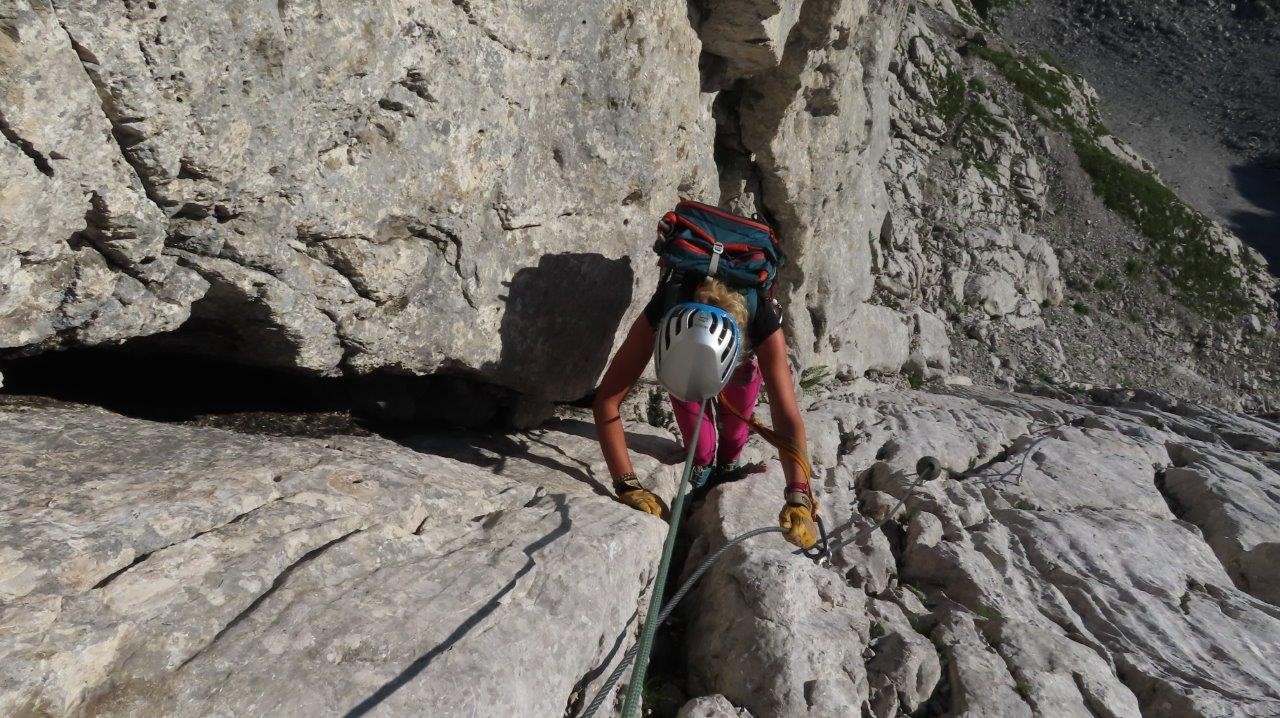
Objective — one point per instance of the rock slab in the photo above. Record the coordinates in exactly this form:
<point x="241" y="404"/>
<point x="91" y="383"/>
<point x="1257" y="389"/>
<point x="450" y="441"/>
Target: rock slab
<point x="155" y="569"/>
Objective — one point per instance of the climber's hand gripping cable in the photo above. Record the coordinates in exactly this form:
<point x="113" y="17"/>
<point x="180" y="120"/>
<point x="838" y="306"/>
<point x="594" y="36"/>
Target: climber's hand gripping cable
<point x="797" y="517"/>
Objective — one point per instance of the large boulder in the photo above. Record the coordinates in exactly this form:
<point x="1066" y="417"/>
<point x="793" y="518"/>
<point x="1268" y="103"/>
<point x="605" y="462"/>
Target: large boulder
<point x="815" y="128"/>
<point x="346" y="188"/>
<point x="1049" y="571"/>
<point x="446" y="188"/>
<point x="153" y="569"/>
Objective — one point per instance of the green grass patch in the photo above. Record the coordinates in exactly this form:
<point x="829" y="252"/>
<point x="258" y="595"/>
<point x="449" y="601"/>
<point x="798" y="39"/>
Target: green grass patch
<point x="1181" y="239"/>
<point x="1132" y="267"/>
<point x="991" y="613"/>
<point x="1047" y="58"/>
<point x="1182" y="244"/>
<point x="1038" y="85"/>
<point x="967" y="13"/>
<point x="986" y="169"/>
<point x="949" y="95"/>
<point x="814" y="376"/>
<point x="1080" y="308"/>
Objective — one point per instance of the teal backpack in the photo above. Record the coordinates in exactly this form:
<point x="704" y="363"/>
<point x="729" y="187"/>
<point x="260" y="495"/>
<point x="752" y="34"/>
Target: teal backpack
<point x="742" y="252"/>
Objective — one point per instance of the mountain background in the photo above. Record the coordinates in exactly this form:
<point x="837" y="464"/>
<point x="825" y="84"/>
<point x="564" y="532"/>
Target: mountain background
<point x="301" y="303"/>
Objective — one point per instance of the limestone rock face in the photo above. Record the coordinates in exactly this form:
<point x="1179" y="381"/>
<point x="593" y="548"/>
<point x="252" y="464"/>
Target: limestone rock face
<point x="453" y="188"/>
<point x="469" y="190"/>
<point x="749" y="36"/>
<point x="346" y="188"/>
<point x="800" y="136"/>
<point x="164" y="570"/>
<point x="963" y="182"/>
<point x="1111" y="556"/>
<point x="1074" y="559"/>
<point x="81" y="244"/>
<point x="1231" y="498"/>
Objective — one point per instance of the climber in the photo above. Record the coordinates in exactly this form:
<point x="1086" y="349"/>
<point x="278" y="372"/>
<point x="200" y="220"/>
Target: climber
<point x="762" y="360"/>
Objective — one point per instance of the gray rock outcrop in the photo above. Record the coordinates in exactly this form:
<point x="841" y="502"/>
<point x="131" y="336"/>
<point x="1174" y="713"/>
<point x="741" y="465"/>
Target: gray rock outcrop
<point x="346" y="188"/>
<point x="469" y="190"/>
<point x="154" y="569"/>
<point x="1054" y="570"/>
<point x="1111" y="556"/>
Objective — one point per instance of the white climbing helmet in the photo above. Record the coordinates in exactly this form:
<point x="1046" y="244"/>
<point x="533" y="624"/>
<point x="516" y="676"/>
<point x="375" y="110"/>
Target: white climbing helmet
<point x="695" y="351"/>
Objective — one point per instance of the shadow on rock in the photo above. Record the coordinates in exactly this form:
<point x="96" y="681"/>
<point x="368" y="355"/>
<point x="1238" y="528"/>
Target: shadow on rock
<point x="1257" y="182"/>
<point x="558" y="328"/>
<point x="421" y="663"/>
<point x="543" y="447"/>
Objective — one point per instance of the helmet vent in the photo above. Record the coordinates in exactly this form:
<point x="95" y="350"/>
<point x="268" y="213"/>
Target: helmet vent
<point x="696" y="349"/>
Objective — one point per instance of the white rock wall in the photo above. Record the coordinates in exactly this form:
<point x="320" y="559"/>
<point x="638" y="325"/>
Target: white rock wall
<point x="400" y="186"/>
<point x="1054" y="570"/>
<point x="151" y="569"/>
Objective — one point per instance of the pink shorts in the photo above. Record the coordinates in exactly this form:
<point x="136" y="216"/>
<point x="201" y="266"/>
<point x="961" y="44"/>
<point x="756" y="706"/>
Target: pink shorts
<point x="742" y="391"/>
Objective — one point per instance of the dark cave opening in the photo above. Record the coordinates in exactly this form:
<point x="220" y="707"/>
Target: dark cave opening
<point x="148" y="380"/>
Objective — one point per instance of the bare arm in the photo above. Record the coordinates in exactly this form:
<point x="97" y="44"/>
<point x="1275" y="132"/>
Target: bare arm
<point x="783" y="408"/>
<point x="623" y="371"/>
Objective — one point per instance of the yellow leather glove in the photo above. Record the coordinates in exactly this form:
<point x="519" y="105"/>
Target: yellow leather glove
<point x="631" y="493"/>
<point x="797" y="518"/>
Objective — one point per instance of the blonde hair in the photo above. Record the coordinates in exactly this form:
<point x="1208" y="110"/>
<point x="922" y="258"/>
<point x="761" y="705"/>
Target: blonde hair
<point x="714" y="292"/>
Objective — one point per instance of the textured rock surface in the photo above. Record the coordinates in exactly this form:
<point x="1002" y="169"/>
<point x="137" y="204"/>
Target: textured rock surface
<point x="1110" y="554"/>
<point x="716" y="706"/>
<point x="1232" y="499"/>
<point x="470" y="190"/>
<point x="361" y="187"/>
<point x="80" y="242"/>
<point x="152" y="569"/>
<point x="997" y="226"/>
<point x="1049" y="572"/>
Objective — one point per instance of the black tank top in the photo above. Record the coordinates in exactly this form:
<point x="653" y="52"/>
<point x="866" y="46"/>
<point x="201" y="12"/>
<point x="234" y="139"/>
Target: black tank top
<point x="762" y="323"/>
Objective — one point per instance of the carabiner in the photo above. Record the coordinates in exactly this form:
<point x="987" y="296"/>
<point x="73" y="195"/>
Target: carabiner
<point x="820" y="552"/>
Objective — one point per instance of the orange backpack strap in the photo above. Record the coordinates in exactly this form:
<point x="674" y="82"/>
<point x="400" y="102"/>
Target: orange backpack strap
<point x="773" y="437"/>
